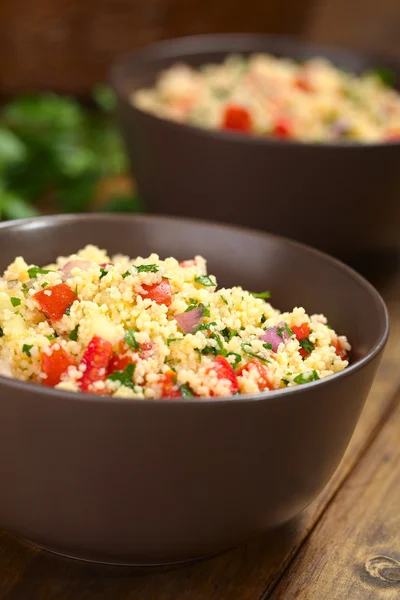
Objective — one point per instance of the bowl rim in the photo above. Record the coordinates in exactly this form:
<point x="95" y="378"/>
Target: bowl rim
<point x="26" y="387"/>
<point x="192" y="43"/>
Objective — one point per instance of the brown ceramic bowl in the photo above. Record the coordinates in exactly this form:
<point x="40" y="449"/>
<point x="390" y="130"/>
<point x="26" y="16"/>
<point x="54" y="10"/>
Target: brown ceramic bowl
<point x="341" y="198"/>
<point x="167" y="480"/>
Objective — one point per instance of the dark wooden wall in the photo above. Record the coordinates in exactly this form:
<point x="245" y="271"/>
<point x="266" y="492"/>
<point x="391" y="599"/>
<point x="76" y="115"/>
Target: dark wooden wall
<point x="68" y="45"/>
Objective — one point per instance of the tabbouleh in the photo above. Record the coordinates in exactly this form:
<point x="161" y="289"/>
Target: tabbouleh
<point x="149" y="328"/>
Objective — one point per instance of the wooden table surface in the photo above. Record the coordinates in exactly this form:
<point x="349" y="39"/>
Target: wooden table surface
<point x="345" y="546"/>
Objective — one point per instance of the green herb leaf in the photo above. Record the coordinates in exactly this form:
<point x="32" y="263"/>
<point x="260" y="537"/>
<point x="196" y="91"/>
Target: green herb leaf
<point x="224" y="300"/>
<point x="170" y="340"/>
<point x="15" y="301"/>
<point x="205" y="280"/>
<point x="386" y="76"/>
<point x="74" y="333"/>
<point x="1" y="332"/>
<point x="306" y="377"/>
<point x="265" y="295"/>
<point x="68" y="310"/>
<point x="194" y="304"/>
<point x="44" y="284"/>
<point x="205" y="327"/>
<point x="125" y="377"/>
<point x="130" y="339"/>
<point x="307" y="345"/>
<point x="103" y="272"/>
<point x="285" y="381"/>
<point x="186" y="391"/>
<point x="245" y="348"/>
<point x="124" y="275"/>
<point x="263" y="319"/>
<point x="228" y="334"/>
<point x="51" y="337"/>
<point x="105" y="97"/>
<point x="26" y="348"/>
<point x="289" y="331"/>
<point x="147" y="269"/>
<point x="267" y="346"/>
<point x="237" y="357"/>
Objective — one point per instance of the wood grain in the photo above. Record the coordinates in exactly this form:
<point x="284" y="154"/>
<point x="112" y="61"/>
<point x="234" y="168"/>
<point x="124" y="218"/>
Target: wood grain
<point x="249" y="572"/>
<point x="354" y="552"/>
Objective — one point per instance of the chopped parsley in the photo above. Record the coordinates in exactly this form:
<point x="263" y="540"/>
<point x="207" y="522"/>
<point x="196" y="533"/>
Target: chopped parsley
<point x="306" y="377"/>
<point x="263" y="319"/>
<point x="205" y="280"/>
<point x="228" y="334"/>
<point x="51" y="337"/>
<point x="224" y="300"/>
<point x="103" y="272"/>
<point x="170" y="340"/>
<point x="126" y="274"/>
<point x="130" y="339"/>
<point x="26" y="348"/>
<point x="186" y="390"/>
<point x="328" y="326"/>
<point x="147" y="269"/>
<point x="285" y="381"/>
<point x="68" y="309"/>
<point x="250" y="353"/>
<point x="35" y="271"/>
<point x="124" y="377"/>
<point x="204" y="327"/>
<point x="289" y="331"/>
<point x="237" y="358"/>
<point x="219" y="350"/>
<point x="307" y="345"/>
<point x="15" y="301"/>
<point x="386" y="76"/>
<point x="74" y="333"/>
<point x="194" y="304"/>
<point x="25" y="287"/>
<point x="1" y="332"/>
<point x="44" y="284"/>
<point x="267" y="346"/>
<point x="264" y="295"/>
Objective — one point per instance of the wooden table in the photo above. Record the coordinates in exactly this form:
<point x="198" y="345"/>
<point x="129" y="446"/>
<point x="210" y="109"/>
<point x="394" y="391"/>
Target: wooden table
<point x="345" y="546"/>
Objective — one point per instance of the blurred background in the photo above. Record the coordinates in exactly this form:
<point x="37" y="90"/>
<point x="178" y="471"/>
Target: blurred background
<point x="60" y="151"/>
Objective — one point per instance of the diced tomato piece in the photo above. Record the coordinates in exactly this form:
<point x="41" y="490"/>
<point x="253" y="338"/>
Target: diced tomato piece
<point x="188" y="263"/>
<point x="393" y="134"/>
<point x="54" y="300"/>
<point x="55" y="363"/>
<point x="283" y="128"/>
<point x="169" y="386"/>
<point x="237" y="118"/>
<point x="263" y="381"/>
<point x="302" y="84"/>
<point x="96" y="359"/>
<point x="340" y="351"/>
<point x="119" y="362"/>
<point x="301" y="332"/>
<point x="224" y="370"/>
<point x="159" y="292"/>
<point x="146" y="349"/>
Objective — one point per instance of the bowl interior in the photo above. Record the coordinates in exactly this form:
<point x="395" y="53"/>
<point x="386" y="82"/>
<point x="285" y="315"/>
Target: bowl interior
<point x="140" y="68"/>
<point x="296" y="275"/>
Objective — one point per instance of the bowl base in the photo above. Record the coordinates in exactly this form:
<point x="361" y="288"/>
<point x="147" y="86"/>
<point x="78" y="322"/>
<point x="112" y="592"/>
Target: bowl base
<point x="134" y="563"/>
